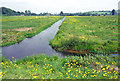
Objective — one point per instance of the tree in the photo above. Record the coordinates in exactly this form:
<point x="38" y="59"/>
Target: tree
<point x="29" y="11"/>
<point x="8" y="12"/>
<point x="105" y="13"/>
<point x="61" y="13"/>
<point x="26" y="11"/>
<point x="18" y="13"/>
<point x="113" y="12"/>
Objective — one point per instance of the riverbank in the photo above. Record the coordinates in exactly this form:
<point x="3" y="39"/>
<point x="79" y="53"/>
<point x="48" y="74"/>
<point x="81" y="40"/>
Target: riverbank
<point x="87" y="35"/>
<point x="11" y="25"/>
<point x="72" y="38"/>
<point x="38" y="44"/>
<point x="71" y="67"/>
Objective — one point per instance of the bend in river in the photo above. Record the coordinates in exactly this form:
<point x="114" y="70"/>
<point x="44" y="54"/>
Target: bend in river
<point x="39" y="44"/>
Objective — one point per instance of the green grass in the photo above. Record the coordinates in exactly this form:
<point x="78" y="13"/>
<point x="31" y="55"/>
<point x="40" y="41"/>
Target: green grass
<point x="79" y="35"/>
<point x="72" y="67"/>
<point x="84" y="35"/>
<point x="100" y="13"/>
<point x="38" y="24"/>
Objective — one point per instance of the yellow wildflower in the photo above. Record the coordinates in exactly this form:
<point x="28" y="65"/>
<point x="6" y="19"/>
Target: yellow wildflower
<point x="103" y="69"/>
<point x="69" y="70"/>
<point x="35" y="76"/>
<point x="74" y="60"/>
<point x="85" y="25"/>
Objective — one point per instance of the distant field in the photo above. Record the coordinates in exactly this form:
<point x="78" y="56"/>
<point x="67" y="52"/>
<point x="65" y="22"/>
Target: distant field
<point x="100" y="12"/>
<point x="31" y="25"/>
<point x="83" y="35"/>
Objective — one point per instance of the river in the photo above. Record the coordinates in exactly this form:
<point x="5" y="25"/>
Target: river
<point x="39" y="44"/>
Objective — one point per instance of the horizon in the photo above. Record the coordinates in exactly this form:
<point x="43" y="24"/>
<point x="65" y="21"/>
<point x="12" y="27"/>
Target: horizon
<point x="55" y="7"/>
<point x="58" y="13"/>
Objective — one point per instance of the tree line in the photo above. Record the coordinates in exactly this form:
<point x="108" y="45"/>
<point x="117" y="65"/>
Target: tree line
<point x="10" y="12"/>
<point x="92" y="13"/>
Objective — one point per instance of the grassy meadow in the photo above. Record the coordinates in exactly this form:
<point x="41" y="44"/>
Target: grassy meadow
<point x="94" y="36"/>
<point x="72" y="67"/>
<point x="87" y="34"/>
<point x="10" y="24"/>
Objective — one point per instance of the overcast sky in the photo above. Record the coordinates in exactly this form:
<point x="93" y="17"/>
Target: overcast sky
<point x="55" y="6"/>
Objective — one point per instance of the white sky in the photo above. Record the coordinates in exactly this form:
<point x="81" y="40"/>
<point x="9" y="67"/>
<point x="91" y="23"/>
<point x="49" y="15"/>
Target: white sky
<point x="55" y="6"/>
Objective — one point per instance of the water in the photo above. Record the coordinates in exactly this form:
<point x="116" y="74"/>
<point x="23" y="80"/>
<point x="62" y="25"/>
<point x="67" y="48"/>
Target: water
<point x="38" y="44"/>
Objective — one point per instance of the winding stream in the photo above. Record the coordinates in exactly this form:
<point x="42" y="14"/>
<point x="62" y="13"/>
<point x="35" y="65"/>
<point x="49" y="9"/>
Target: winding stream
<point x="39" y="44"/>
